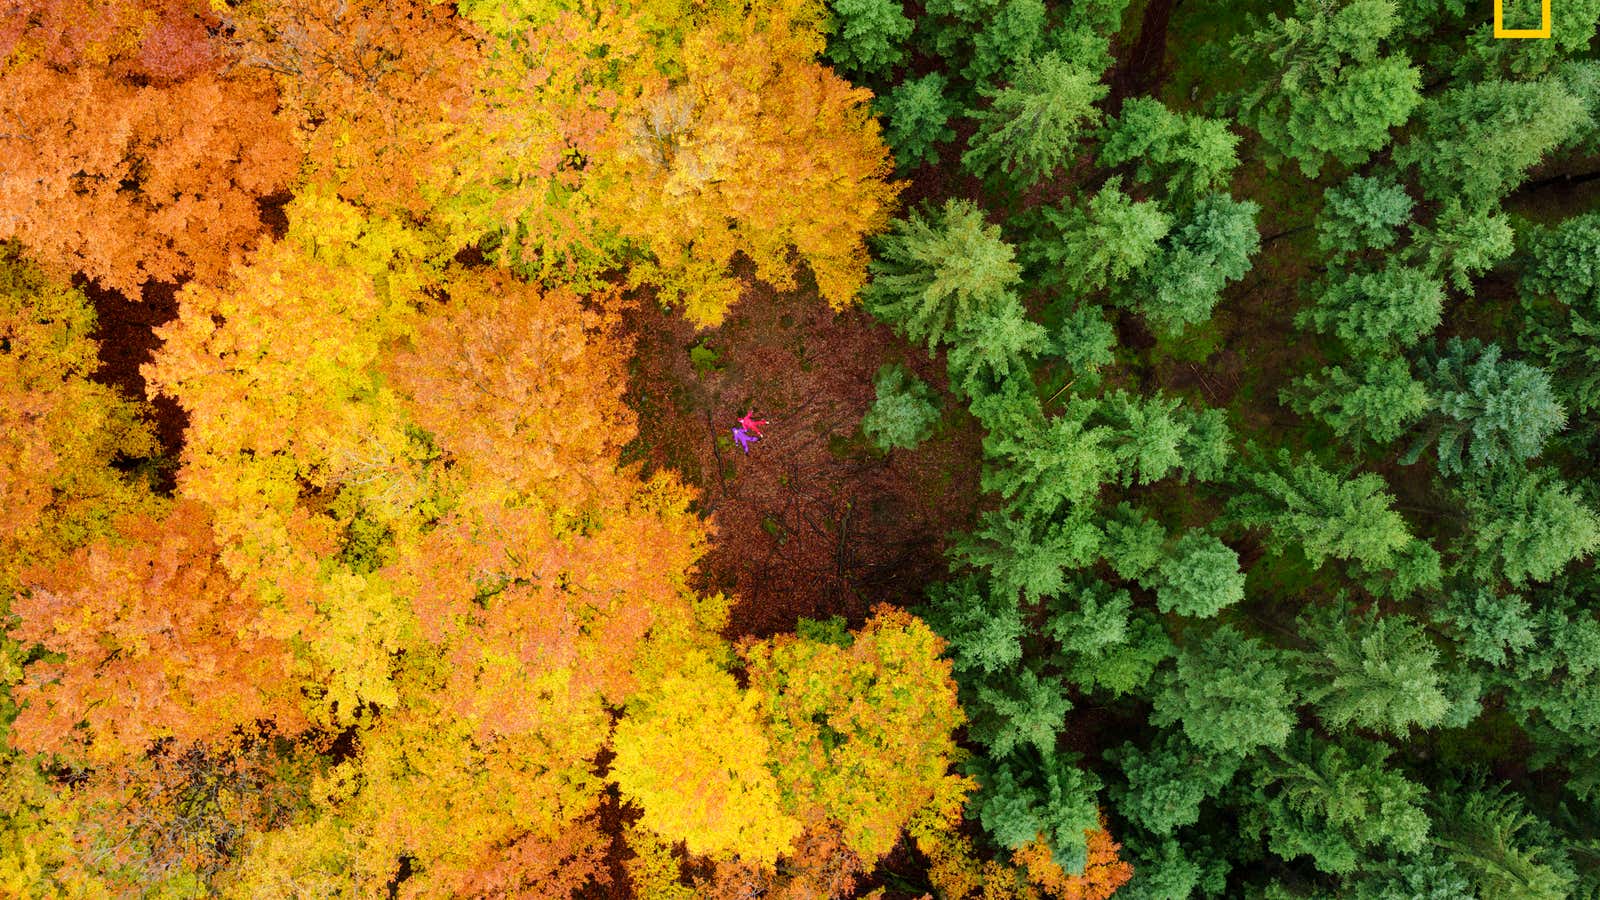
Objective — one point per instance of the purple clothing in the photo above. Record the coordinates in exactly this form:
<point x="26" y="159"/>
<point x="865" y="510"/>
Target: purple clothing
<point x="745" y="439"/>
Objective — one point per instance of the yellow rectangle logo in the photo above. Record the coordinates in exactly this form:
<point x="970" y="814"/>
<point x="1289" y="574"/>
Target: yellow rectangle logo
<point x="1501" y="31"/>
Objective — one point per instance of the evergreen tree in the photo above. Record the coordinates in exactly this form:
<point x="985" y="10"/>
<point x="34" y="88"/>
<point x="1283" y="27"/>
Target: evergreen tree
<point x="918" y="114"/>
<point x="1086" y="342"/>
<point x="1478" y="139"/>
<point x="1168" y="782"/>
<point x="1377" y="402"/>
<point x="983" y="627"/>
<point x="1043" y="468"/>
<point x="1487" y="412"/>
<point x="934" y="272"/>
<point x="1185" y="156"/>
<point x="1016" y="709"/>
<point x="993" y="348"/>
<point x="1198" y="577"/>
<point x="1084" y="250"/>
<point x="1564" y="262"/>
<point x="904" y="414"/>
<point x="1490" y="837"/>
<point x="1337" y="803"/>
<point x="1527" y="525"/>
<point x="1362" y="214"/>
<point x="1210" y="247"/>
<point x="1462" y="243"/>
<point x="1373" y="672"/>
<point x="1326" y="513"/>
<point x="1375" y="311"/>
<point x="868" y="35"/>
<point x="1034" y="125"/>
<point x="1323" y="87"/>
<point x="1029" y="795"/>
<point x="1230" y="693"/>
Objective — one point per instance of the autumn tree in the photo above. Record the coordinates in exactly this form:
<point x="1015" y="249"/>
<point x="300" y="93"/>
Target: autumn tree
<point x="59" y="431"/>
<point x="129" y="184"/>
<point x="152" y="596"/>
<point x="860" y="734"/>
<point x="368" y="86"/>
<point x="695" y="755"/>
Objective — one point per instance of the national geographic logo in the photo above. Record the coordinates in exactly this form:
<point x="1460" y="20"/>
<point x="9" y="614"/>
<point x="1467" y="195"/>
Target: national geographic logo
<point x="1501" y="31"/>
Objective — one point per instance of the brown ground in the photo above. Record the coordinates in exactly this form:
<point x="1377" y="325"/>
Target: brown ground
<point x="812" y="522"/>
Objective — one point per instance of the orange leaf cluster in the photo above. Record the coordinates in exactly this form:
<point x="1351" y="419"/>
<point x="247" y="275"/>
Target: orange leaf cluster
<point x="158" y="642"/>
<point x="128" y="183"/>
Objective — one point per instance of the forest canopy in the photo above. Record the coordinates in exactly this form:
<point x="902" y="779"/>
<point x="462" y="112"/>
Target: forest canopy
<point x="808" y="449"/>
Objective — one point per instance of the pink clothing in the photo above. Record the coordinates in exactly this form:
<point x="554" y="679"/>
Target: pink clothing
<point x="752" y="424"/>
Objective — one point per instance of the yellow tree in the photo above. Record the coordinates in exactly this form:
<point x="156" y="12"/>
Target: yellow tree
<point x="59" y="431"/>
<point x="861" y="734"/>
<point x="694" y="755"/>
<point x="668" y="136"/>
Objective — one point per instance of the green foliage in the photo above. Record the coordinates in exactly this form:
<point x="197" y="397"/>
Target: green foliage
<point x="1169" y="781"/>
<point x="1479" y="139"/>
<point x="1377" y="402"/>
<point x="1373" y="312"/>
<point x="1026" y="795"/>
<point x="983" y="627"/>
<point x="1338" y="803"/>
<point x="1198" y="577"/>
<point x="1210" y="247"/>
<point x="1030" y="555"/>
<point x="1186" y="156"/>
<point x="1527" y="525"/>
<point x="1494" y="628"/>
<point x="993" y="349"/>
<point x="904" y="414"/>
<point x="1033" y="126"/>
<point x="934" y="273"/>
<point x="1463" y="242"/>
<point x="1230" y="693"/>
<point x="1086" y="342"/>
<point x="1487" y="412"/>
<point x="1016" y="709"/>
<point x="868" y="35"/>
<point x="1323" y="88"/>
<point x="1491" y="837"/>
<point x="1042" y="469"/>
<point x="1135" y="544"/>
<point x="1325" y="512"/>
<point x="1086" y="249"/>
<point x="1376" y="673"/>
<point x="1564" y="262"/>
<point x="918" y="115"/>
<point x="1147" y="434"/>
<point x="1362" y="213"/>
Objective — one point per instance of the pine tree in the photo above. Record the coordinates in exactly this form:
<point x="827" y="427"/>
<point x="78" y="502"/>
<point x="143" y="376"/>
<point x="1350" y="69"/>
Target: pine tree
<point x="1323" y="88"/>
<point x="1325" y="513"/>
<point x="1230" y="693"/>
<point x="1034" y="125"/>
<point x="1379" y="674"/>
<point x="1183" y="155"/>
<point x="1362" y="213"/>
<point x="918" y="114"/>
<point x="904" y="414"/>
<point x="1487" y="412"/>
<point x="935" y="272"/>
